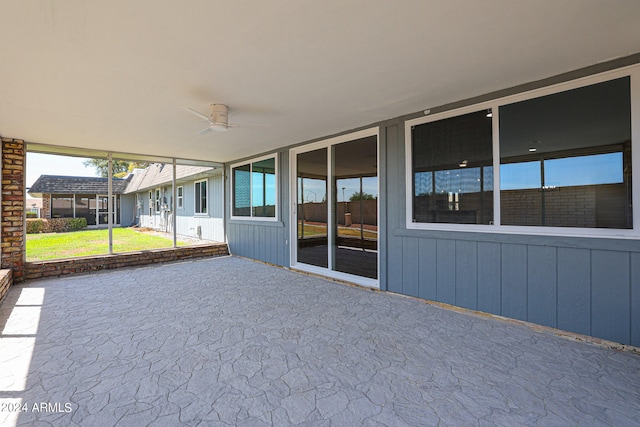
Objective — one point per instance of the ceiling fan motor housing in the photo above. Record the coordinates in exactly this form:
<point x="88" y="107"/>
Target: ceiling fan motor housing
<point x="220" y="114"/>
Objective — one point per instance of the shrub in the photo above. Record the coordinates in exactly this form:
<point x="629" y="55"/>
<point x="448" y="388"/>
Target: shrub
<point x="55" y="225"/>
<point x="32" y="215"/>
<point x="37" y="225"/>
<point x="77" y="224"/>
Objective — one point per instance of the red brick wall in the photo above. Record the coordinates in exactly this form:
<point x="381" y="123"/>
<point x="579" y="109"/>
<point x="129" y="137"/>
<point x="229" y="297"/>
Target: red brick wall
<point x="46" y="206"/>
<point x="54" y="268"/>
<point x="12" y="209"/>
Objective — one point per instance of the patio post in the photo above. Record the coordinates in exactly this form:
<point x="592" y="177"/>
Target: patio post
<point x="110" y="201"/>
<point x="12" y="236"/>
<point x="174" y="191"/>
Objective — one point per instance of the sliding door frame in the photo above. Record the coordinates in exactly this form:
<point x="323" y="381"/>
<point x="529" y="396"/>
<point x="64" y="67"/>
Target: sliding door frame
<point x="293" y="213"/>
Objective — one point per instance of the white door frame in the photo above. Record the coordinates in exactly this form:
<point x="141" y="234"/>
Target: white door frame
<point x="293" y="215"/>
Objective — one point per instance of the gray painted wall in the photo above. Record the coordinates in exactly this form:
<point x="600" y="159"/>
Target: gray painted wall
<point x="127" y="209"/>
<point x="586" y="285"/>
<point x="266" y="241"/>
<point x="187" y="223"/>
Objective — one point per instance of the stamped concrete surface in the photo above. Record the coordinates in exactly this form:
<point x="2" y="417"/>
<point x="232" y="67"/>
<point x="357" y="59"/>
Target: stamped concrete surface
<point x="228" y="341"/>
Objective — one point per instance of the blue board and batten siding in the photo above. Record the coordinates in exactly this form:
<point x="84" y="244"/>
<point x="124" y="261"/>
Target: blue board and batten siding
<point x="584" y="285"/>
<point x="267" y="241"/>
<point x="584" y="290"/>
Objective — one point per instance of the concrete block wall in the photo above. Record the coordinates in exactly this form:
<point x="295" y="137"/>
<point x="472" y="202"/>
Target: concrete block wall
<point x="568" y="205"/>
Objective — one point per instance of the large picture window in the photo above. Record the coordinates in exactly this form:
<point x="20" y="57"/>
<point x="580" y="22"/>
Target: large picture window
<point x="564" y="161"/>
<point x="254" y="189"/>
<point x="565" y="158"/>
<point x="201" y="197"/>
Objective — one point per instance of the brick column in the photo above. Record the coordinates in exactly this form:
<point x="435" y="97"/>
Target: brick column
<point x="12" y="238"/>
<point x="46" y="206"/>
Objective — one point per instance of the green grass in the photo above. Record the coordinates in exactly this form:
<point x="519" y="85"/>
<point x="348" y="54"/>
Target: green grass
<point x="318" y="230"/>
<point x="42" y="247"/>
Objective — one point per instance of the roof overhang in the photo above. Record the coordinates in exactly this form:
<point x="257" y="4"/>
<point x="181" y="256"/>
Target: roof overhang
<point x="111" y="76"/>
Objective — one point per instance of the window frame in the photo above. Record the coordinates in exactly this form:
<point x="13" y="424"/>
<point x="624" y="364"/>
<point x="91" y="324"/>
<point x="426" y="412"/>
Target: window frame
<point x="632" y="72"/>
<point x="157" y="205"/>
<point x="180" y="197"/>
<point x="250" y="162"/>
<point x="198" y="203"/>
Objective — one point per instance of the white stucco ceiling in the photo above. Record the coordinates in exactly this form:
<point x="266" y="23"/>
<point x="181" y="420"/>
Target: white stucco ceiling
<point x="112" y="74"/>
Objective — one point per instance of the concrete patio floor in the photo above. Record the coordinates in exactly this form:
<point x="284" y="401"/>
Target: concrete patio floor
<point x="227" y="341"/>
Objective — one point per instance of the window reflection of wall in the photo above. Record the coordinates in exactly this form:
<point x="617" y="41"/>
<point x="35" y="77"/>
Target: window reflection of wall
<point x="255" y="189"/>
<point x="565" y="161"/>
<point x="566" y="158"/>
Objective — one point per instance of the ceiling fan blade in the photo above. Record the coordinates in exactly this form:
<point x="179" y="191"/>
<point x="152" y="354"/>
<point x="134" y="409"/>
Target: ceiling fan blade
<point x="204" y="131"/>
<point x="196" y="113"/>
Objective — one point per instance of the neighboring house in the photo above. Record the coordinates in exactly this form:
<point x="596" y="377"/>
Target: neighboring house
<point x="79" y="197"/>
<point x="197" y="187"/>
<point x="142" y="199"/>
<point x="33" y="206"/>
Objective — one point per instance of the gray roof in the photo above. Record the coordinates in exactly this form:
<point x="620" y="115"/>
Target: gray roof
<point x="158" y="174"/>
<point x="57" y="184"/>
<point x="153" y="176"/>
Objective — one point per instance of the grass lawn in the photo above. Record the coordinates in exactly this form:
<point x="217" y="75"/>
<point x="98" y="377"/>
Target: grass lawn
<point x="311" y="230"/>
<point x="42" y="247"/>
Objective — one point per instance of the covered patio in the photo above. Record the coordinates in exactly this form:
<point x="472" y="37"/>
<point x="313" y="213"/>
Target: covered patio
<point x="244" y="343"/>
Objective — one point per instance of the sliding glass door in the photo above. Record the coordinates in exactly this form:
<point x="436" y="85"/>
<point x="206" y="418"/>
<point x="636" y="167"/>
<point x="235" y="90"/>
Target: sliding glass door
<point x="312" y="208"/>
<point x="336" y="212"/>
<point x="355" y="207"/>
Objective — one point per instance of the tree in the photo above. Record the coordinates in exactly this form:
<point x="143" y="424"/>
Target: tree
<point x="355" y="197"/>
<point x="120" y="167"/>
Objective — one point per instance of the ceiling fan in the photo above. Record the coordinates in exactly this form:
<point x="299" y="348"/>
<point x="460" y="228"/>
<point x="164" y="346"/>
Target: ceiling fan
<point x="218" y="119"/>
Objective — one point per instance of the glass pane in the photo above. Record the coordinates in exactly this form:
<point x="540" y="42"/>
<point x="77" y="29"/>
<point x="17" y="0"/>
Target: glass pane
<point x="355" y="248"/>
<point x="242" y="190"/>
<point x="518" y="176"/>
<point x="198" y="195"/>
<point x="521" y="195"/>
<point x="566" y="158"/>
<point x="61" y="206"/>
<point x="60" y="187"/>
<point x="83" y="203"/>
<point x="264" y="188"/>
<point x="203" y="197"/>
<point x="584" y="170"/>
<point x="452" y="170"/>
<point x="312" y="208"/>
<point x="103" y="209"/>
